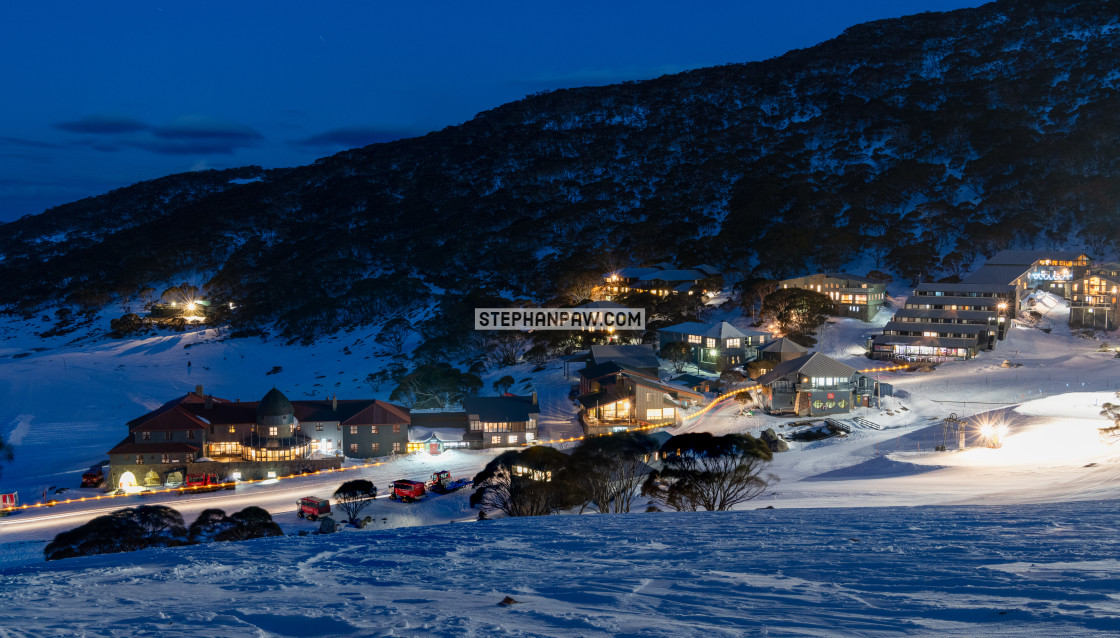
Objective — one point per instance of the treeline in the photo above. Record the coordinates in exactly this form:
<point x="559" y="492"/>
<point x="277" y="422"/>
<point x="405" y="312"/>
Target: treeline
<point x="611" y="474"/>
<point x="923" y="143"/>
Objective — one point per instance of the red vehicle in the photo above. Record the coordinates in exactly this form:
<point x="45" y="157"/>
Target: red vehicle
<point x="406" y="491"/>
<point x="203" y="483"/>
<point x="93" y="477"/>
<point x="442" y="483"/>
<point x="312" y="507"/>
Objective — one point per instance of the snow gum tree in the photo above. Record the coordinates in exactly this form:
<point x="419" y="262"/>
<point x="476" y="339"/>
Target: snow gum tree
<point x="706" y="472"/>
<point x="354" y="496"/>
<point x="526" y="482"/>
<point x="606" y="472"/>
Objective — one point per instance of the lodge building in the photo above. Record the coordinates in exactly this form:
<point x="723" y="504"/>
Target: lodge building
<point x="255" y="437"/>
<point x="852" y="295"/>
<point x="662" y="279"/>
<point x="947" y="321"/>
<point x="717" y="346"/>
<point x="1093" y="299"/>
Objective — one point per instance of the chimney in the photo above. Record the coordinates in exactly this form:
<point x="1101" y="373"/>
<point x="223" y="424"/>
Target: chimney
<point x="534" y="398"/>
<point x="209" y="402"/>
<point x="198" y="390"/>
<point x="334" y="403"/>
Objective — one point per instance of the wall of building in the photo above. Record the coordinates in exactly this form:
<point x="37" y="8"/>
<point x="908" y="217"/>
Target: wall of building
<point x="249" y="470"/>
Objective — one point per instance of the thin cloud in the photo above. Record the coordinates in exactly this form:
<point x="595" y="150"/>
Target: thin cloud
<point x="103" y="125"/>
<point x="26" y="143"/>
<point x="352" y="137"/>
<point x="200" y="127"/>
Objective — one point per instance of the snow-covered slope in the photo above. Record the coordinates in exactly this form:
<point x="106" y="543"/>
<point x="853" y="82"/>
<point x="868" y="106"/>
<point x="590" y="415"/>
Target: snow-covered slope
<point x="994" y="571"/>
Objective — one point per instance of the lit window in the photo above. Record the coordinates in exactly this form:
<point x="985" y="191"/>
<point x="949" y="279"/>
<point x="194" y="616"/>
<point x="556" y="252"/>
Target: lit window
<point x="396" y="447"/>
<point x="353" y="429"/>
<point x="375" y="448"/>
<point x="318" y="427"/>
<point x="139" y="459"/>
<point x="233" y="429"/>
<point x="496" y="439"/>
<point x="653" y="414"/>
<point x="711" y="342"/>
<point x="165" y="459"/>
<point x="733" y="343"/>
<point x="396" y="428"/>
<point x="353" y="448"/>
<point x="512" y="439"/>
<point x="373" y="429"/>
<point x="694" y="338"/>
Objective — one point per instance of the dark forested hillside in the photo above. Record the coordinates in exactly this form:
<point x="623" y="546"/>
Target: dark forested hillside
<point x="923" y="143"/>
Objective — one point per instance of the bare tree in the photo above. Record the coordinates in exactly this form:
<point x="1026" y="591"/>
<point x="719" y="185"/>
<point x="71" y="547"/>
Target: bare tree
<point x="394" y="333"/>
<point x="535" y="489"/>
<point x="678" y="353"/>
<point x="1111" y="411"/>
<point x="505" y="348"/>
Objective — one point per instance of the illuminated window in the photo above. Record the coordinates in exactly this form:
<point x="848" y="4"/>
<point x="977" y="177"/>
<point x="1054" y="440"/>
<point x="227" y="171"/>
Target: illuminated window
<point x="233" y="429"/>
<point x="165" y="459"/>
<point x="353" y="429"/>
<point x="396" y="428"/>
<point x="694" y="338"/>
<point x="353" y="448"/>
<point x="496" y="439"/>
<point x="375" y="448"/>
<point x="733" y="343"/>
<point x="373" y="429"/>
<point x="711" y="342"/>
<point x="147" y="436"/>
<point x="318" y="427"/>
<point x="512" y="439"/>
<point x="653" y="414"/>
<point x="273" y="431"/>
<point x="139" y="459"/>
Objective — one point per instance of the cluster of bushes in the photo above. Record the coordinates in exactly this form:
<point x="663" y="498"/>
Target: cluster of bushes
<point x="608" y="474"/>
<point x="134" y="528"/>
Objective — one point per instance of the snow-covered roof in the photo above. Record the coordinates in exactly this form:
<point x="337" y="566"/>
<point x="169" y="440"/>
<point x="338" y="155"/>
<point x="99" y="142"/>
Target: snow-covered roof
<point x="1029" y="257"/>
<point x="811" y="365"/>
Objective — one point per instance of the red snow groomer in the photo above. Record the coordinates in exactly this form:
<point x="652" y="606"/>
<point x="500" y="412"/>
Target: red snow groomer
<point x="406" y="491"/>
<point x="93" y="477"/>
<point x="203" y="483"/>
<point x="312" y="507"/>
<point x="442" y="483"/>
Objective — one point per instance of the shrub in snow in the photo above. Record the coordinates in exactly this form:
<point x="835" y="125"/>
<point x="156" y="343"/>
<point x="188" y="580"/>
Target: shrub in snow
<point x="251" y="522"/>
<point x="124" y="530"/>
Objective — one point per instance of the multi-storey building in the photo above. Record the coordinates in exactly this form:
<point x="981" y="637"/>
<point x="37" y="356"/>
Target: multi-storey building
<point x="852" y="295"/>
<point x="715" y="346"/>
<point x="662" y="279"/>
<point x="1093" y="302"/>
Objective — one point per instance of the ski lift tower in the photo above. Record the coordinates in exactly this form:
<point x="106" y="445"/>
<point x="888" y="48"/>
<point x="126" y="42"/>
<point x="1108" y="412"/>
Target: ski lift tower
<point x="954" y="426"/>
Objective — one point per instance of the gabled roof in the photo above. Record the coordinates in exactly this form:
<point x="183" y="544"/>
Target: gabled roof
<point x="644" y="381"/>
<point x="351" y="411"/>
<point x="998" y="288"/>
<point x="156" y="447"/>
<point x="811" y="365"/>
<point x="997" y="274"/>
<point x="783" y="345"/>
<point x="673" y="275"/>
<point x="724" y="330"/>
<point x="632" y="273"/>
<point x="688" y="328"/>
<point x="639" y="356"/>
<point x="177" y="418"/>
<point x="503" y="409"/>
<point x="601" y="370"/>
<point x="707" y="269"/>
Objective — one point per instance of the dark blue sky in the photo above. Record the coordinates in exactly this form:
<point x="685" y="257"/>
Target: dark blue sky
<point x="101" y="95"/>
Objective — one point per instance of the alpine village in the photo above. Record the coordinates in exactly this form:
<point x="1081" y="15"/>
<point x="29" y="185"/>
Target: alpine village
<point x="855" y="300"/>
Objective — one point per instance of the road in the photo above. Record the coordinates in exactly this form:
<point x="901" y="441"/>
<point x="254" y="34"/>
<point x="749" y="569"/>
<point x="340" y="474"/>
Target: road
<point x="278" y="497"/>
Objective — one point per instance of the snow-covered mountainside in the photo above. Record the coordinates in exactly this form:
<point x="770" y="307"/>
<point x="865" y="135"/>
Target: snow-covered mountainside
<point x="901" y="141"/>
<point x="957" y="571"/>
